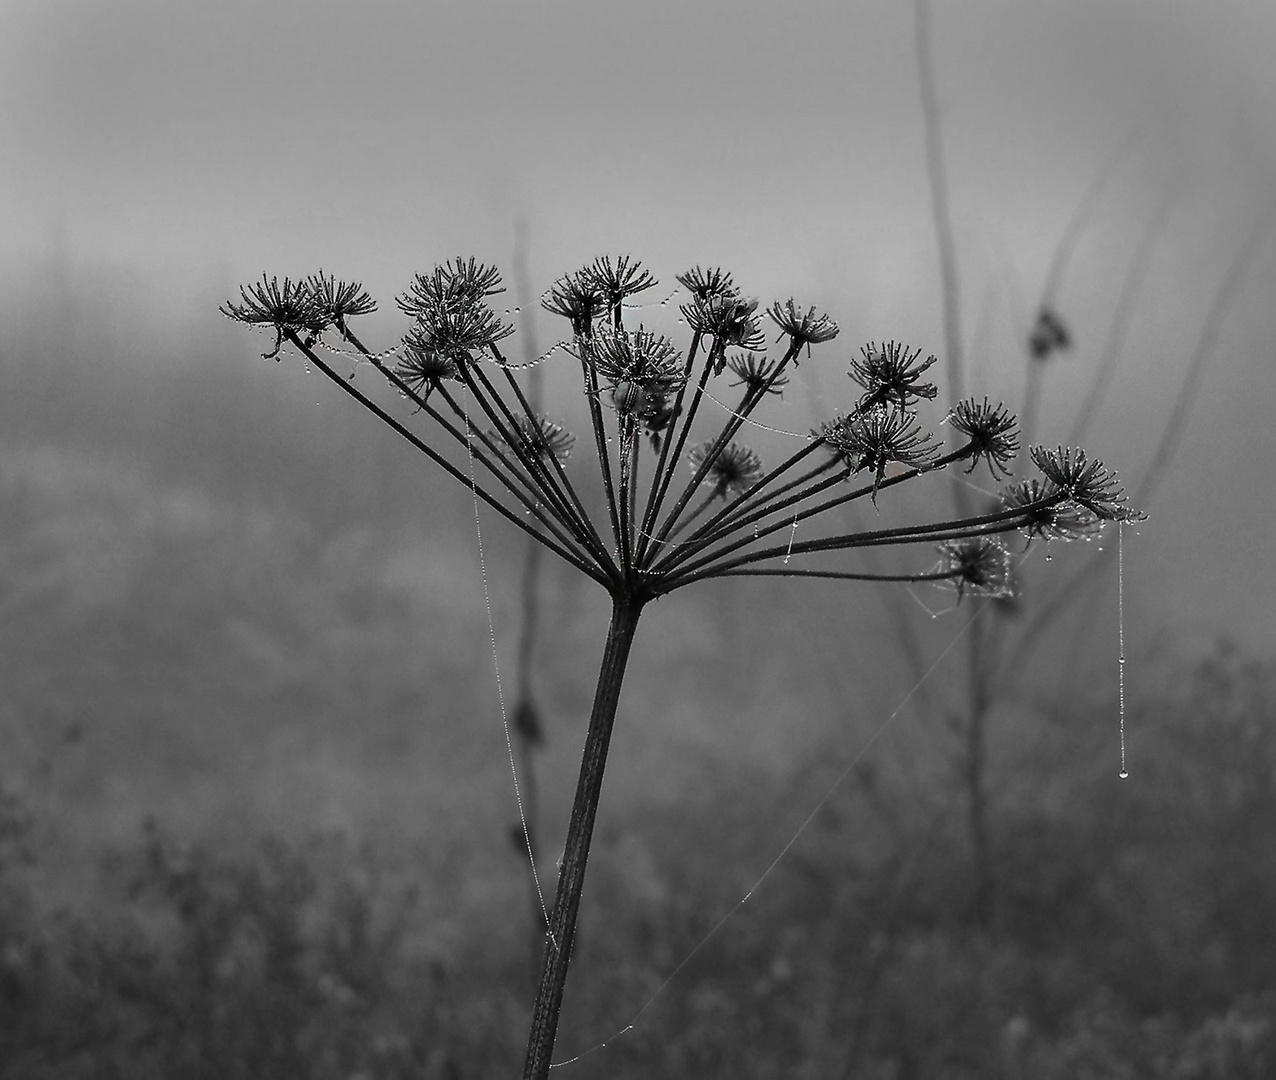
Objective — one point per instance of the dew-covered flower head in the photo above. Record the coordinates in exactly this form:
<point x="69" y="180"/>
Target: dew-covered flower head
<point x="1049" y="515"/>
<point x="339" y="300"/>
<point x="1088" y="483"/>
<point x="890" y="373"/>
<point x="451" y="285"/>
<point x="978" y="565"/>
<point x="702" y="284"/>
<point x="449" y="307"/>
<point x="803" y="327"/>
<point x="578" y="299"/>
<point x="992" y="434"/>
<point x="290" y="307"/>
<point x="638" y="367"/>
<point x="421" y="370"/>
<point x="729" y="318"/>
<point x="736" y="468"/>
<point x="541" y="438"/>
<point x="757" y="374"/>
<point x="873" y="439"/>
<point x="615" y="281"/>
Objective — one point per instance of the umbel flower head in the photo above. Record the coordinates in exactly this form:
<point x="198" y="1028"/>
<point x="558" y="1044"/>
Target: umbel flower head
<point x="803" y="328"/>
<point x="757" y="373"/>
<point x="991" y="431"/>
<point x="452" y="317"/>
<point x="638" y="367"/>
<point x="891" y="373"/>
<point x="702" y="284"/>
<point x="874" y="439"/>
<point x="1087" y="483"/>
<point x="614" y="282"/>
<point x="592" y="291"/>
<point x="288" y="307"/>
<point x="729" y="318"/>
<point x="463" y="283"/>
<point x="339" y="300"/>
<point x="541" y="437"/>
<point x="979" y="565"/>
<point x="456" y="332"/>
<point x="1061" y="520"/>
<point x="578" y="299"/>
<point x="421" y="369"/>
<point x="735" y="468"/>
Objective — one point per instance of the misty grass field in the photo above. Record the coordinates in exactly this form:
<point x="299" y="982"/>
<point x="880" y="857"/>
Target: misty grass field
<point x="257" y="813"/>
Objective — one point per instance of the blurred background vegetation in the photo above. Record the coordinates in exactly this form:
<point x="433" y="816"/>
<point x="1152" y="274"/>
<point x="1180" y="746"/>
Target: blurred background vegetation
<point x="256" y="812"/>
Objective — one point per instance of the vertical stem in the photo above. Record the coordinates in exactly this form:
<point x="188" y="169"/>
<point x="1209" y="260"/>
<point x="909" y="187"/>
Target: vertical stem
<point x="571" y="879"/>
<point x="939" y="199"/>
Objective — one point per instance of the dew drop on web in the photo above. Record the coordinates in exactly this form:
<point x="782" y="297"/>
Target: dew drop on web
<point x="1123" y="774"/>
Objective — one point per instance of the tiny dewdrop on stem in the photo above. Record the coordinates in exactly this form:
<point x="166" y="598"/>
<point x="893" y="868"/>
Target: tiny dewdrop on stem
<point x="733" y="516"/>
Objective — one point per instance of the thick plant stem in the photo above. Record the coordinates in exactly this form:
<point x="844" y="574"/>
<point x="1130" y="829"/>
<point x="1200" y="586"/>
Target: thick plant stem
<point x="571" y="878"/>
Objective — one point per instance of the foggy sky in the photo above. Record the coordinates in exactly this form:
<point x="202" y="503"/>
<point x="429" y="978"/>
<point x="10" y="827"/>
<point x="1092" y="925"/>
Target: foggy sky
<point x="193" y="145"/>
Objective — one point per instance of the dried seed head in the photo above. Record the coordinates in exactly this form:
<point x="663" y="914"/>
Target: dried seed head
<point x="542" y="438"/>
<point x="729" y="318"/>
<point x="421" y="370"/>
<point x="290" y="307"/>
<point x="339" y="300"/>
<point x="578" y="299"/>
<point x="979" y="565"/>
<point x="809" y="328"/>
<point x="991" y="431"/>
<point x="757" y="373"/>
<point x="1088" y="483"/>
<point x="890" y="373"/>
<point x="702" y="284"/>
<point x="614" y="282"/>
<point x="1061" y="520"/>
<point x="874" y="439"/>
<point x="735" y="468"/>
<point x="638" y="357"/>
<point x="452" y="317"/>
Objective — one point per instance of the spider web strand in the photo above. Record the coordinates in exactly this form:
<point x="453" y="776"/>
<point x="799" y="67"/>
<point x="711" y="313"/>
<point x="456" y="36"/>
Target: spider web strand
<point x="496" y="667"/>
<point x="811" y="816"/>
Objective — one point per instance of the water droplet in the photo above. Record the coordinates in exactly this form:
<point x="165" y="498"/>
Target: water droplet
<point x="755" y="530"/>
<point x="1123" y="775"/>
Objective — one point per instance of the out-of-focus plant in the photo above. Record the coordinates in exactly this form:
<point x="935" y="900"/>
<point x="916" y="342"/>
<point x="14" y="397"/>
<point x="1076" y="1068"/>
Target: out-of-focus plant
<point x="731" y="517"/>
<point x="1001" y="651"/>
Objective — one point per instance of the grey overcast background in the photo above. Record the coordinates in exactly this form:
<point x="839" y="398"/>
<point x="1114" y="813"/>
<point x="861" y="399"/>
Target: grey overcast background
<point x="174" y="149"/>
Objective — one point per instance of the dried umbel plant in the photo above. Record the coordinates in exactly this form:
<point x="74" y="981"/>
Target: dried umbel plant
<point x="699" y="509"/>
